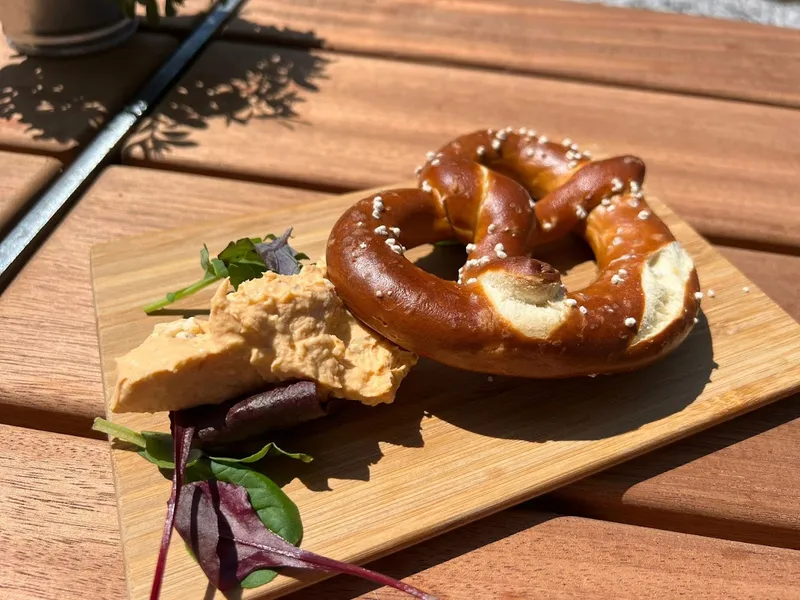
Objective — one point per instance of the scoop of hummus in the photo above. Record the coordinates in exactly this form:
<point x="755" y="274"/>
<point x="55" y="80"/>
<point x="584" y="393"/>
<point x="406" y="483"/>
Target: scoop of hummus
<point x="274" y="328"/>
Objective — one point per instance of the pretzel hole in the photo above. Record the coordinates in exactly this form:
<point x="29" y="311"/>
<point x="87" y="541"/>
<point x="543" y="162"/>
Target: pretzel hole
<point x="571" y="256"/>
<point x="441" y="261"/>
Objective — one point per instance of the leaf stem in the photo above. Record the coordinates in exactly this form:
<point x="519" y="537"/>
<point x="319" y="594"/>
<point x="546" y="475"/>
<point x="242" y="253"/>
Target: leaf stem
<point x="182" y="441"/>
<point x="119" y="431"/>
<point x="336" y="566"/>
<point x="350" y="569"/>
<point x="182" y="293"/>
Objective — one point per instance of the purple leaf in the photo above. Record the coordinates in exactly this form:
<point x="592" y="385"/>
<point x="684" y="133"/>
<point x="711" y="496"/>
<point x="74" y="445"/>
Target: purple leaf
<point x="182" y="435"/>
<point x="281" y="407"/>
<point x="279" y="256"/>
<point x="229" y="541"/>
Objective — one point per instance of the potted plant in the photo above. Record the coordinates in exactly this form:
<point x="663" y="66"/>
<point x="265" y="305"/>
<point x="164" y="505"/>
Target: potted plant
<point x="74" y="27"/>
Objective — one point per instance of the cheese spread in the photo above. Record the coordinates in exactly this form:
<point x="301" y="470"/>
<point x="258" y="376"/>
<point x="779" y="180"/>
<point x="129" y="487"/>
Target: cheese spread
<point x="274" y="328"/>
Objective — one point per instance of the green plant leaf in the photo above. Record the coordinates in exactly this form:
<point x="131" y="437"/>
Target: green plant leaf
<point x="204" y="260"/>
<point x="258" y="578"/>
<point x="274" y="508"/>
<point x="269" y="450"/>
<point x="120" y="432"/>
<point x="271" y="504"/>
<point x="182" y="293"/>
<point x="218" y="268"/>
<point x="159" y="450"/>
<point x="238" y="250"/>
<point x="239" y="261"/>
<point x="242" y="261"/>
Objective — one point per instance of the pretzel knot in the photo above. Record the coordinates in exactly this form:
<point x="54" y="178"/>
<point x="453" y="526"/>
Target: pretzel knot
<point x="503" y="193"/>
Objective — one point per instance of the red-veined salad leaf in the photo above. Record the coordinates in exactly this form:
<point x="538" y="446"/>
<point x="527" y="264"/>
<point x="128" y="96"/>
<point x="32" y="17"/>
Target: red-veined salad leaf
<point x="229" y="541"/>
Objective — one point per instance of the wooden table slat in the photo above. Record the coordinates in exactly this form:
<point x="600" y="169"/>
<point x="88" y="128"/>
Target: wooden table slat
<point x="53" y="106"/>
<point x="58" y="525"/>
<point x="332" y="121"/>
<point x="588" y="42"/>
<point x="23" y="178"/>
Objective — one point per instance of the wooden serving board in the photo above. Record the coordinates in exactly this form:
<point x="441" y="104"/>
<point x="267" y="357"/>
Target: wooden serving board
<point x="454" y="446"/>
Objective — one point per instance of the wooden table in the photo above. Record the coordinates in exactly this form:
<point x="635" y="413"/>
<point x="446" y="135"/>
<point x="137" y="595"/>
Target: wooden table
<point x="301" y="99"/>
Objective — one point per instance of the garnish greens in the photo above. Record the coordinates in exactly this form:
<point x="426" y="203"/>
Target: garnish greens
<point x="238" y="524"/>
<point x="246" y="258"/>
<point x="234" y="536"/>
<point x="275" y="509"/>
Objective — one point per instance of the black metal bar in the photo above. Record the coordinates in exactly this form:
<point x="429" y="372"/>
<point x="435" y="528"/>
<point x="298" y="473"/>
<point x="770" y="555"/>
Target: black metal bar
<point x="21" y="240"/>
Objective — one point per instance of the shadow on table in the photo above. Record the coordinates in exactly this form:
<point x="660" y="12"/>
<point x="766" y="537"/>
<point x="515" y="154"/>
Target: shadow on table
<point x="54" y="99"/>
<point x="346" y="444"/>
<point x="270" y="85"/>
<point x="50" y="103"/>
<point x="582" y="498"/>
<point x="431" y="553"/>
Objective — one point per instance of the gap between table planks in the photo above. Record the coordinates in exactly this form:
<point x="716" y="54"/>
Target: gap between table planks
<point x="590" y="42"/>
<point x="483" y="459"/>
<point x="344" y="123"/>
<point x="59" y="490"/>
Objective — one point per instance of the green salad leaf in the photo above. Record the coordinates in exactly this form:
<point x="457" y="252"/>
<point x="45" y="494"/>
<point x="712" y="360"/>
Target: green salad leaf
<point x="273" y="507"/>
<point x="271" y="449"/>
<point x="239" y="261"/>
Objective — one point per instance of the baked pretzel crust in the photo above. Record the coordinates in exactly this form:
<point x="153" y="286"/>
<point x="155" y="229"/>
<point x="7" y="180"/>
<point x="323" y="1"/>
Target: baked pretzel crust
<point x="503" y="193"/>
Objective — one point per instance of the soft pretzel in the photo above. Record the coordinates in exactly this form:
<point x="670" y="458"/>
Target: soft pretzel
<point x="502" y="193"/>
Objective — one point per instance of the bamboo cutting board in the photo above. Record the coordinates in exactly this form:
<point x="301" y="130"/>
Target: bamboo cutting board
<point x="454" y="446"/>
